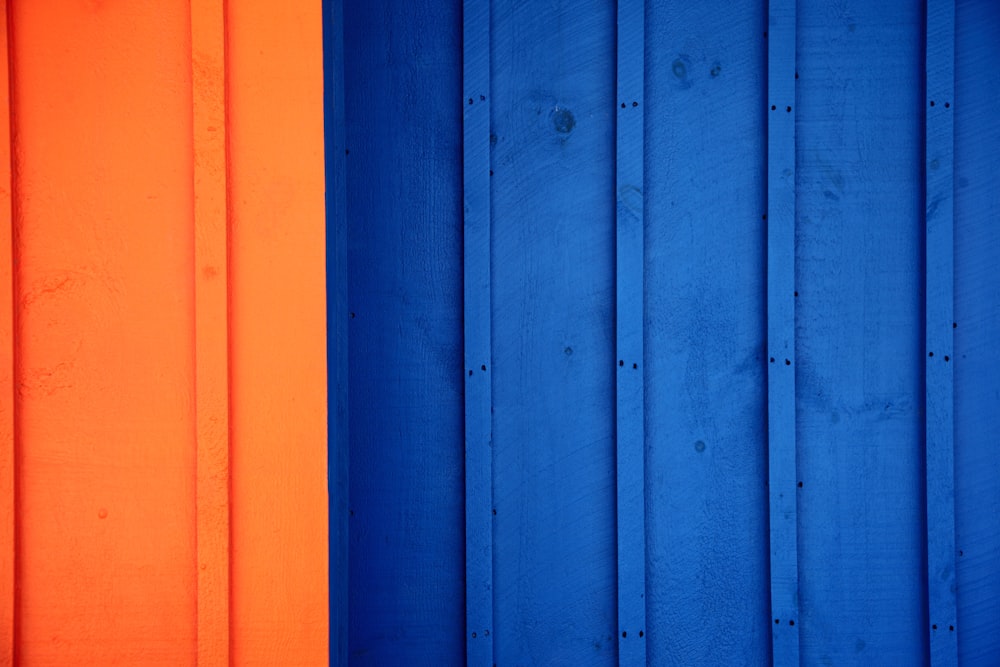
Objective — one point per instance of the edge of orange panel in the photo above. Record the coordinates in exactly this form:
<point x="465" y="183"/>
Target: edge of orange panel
<point x="211" y="285"/>
<point x="8" y="545"/>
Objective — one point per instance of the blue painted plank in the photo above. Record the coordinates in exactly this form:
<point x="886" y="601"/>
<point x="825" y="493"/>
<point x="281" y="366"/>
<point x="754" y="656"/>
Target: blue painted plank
<point x="478" y="395"/>
<point x="782" y="474"/>
<point x="630" y="413"/>
<point x="404" y="183"/>
<point x="859" y="333"/>
<point x="553" y="106"/>
<point x="336" y="324"/>
<point x="939" y="315"/>
<point x="706" y="406"/>
<point x="976" y="361"/>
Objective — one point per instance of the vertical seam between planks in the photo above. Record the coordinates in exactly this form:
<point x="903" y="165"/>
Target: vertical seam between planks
<point x="478" y="370"/>
<point x="211" y="292"/>
<point x="337" y="333"/>
<point x="939" y="313"/>
<point x="629" y="271"/>
<point x="8" y="402"/>
<point x="782" y="483"/>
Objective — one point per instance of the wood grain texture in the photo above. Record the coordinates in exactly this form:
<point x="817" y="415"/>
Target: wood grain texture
<point x="338" y="462"/>
<point x="939" y="280"/>
<point x="8" y="405"/>
<point x="708" y="584"/>
<point x="404" y="186"/>
<point x="859" y="341"/>
<point x="554" y="364"/>
<point x="630" y="452"/>
<point x="101" y="125"/>
<point x="976" y="329"/>
<point x="274" y="76"/>
<point x="211" y="321"/>
<point x="782" y="474"/>
<point x="476" y="102"/>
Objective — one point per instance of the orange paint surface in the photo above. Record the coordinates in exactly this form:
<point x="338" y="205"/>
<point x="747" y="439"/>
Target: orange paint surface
<point x="279" y="498"/>
<point x="162" y="335"/>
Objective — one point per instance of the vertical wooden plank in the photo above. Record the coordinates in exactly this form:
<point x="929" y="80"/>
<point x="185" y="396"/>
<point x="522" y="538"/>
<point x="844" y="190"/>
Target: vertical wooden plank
<point x="554" y="362"/>
<point x="478" y="346"/>
<point x="403" y="79"/>
<point x="630" y="264"/>
<point x="859" y="343"/>
<point x="278" y="407"/>
<point x="782" y="478"/>
<point x="976" y="327"/>
<point x="404" y="98"/>
<point x="8" y="405"/>
<point x="101" y="139"/>
<point x="338" y="448"/>
<point x="706" y="402"/>
<point x="940" y="292"/>
<point x="211" y="296"/>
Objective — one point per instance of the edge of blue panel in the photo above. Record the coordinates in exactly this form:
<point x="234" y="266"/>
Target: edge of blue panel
<point x="336" y="323"/>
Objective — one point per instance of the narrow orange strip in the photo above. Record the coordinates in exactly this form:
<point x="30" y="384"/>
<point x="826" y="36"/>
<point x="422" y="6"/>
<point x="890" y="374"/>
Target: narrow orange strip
<point x="8" y="547"/>
<point x="211" y="328"/>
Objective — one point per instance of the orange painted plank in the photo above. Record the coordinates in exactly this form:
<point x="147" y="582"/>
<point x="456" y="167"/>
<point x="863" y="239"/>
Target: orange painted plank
<point x="102" y="135"/>
<point x="211" y="282"/>
<point x="278" y="338"/>
<point x="7" y="506"/>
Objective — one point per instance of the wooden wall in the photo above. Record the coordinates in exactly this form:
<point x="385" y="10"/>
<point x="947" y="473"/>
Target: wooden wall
<point x="163" y="410"/>
<point x="670" y="332"/>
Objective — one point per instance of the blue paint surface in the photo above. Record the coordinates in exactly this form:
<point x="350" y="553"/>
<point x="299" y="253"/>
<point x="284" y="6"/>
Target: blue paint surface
<point x="859" y="333"/>
<point x="706" y="398"/>
<point x="493" y="237"/>
<point x="977" y="316"/>
<point x="404" y="180"/>
<point x="553" y="289"/>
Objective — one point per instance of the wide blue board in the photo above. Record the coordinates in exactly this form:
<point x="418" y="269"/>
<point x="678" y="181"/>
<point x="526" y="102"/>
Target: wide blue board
<point x="404" y="182"/>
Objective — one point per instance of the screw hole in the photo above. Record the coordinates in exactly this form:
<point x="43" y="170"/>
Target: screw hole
<point x="800" y="485"/>
<point x="788" y="109"/>
<point x="791" y="622"/>
<point x="787" y="362"/>
<point x="932" y="104"/>
<point x="483" y="367"/>
<point x="623" y="105"/>
<point x="635" y="365"/>
<point x="930" y="354"/>
<point x="773" y="108"/>
<point x="951" y="628"/>
<point x="947" y="358"/>
<point x="641" y="633"/>
<point x="635" y="104"/>
<point x="777" y="621"/>
<point x="772" y="360"/>
<point x="624" y="634"/>
<point x="621" y="362"/>
<point x="947" y="105"/>
<point x="934" y="627"/>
